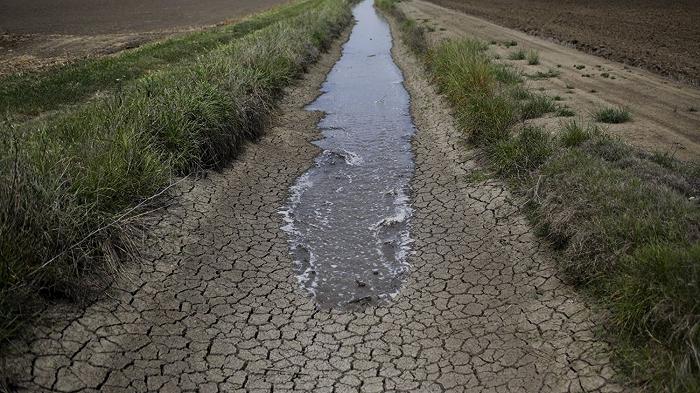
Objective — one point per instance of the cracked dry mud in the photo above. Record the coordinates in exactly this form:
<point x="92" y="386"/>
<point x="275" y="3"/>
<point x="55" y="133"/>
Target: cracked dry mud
<point x="215" y="305"/>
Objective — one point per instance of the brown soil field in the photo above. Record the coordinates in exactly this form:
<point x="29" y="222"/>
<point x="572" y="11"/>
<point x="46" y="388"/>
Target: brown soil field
<point x="39" y="33"/>
<point x="661" y="36"/>
<point x="665" y="113"/>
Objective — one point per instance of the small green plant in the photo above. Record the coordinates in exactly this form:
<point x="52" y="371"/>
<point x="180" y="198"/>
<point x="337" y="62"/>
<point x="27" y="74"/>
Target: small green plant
<point x="519" y="92"/>
<point x="478" y="176"/>
<point x="533" y="57"/>
<point x="612" y="115"/>
<point x="509" y="44"/>
<point x="517" y="55"/>
<point x="536" y="106"/>
<point x="515" y="157"/>
<point x="605" y="75"/>
<point x="565" y="111"/>
<point x="506" y="75"/>
<point x="569" y="86"/>
<point x="579" y="66"/>
<point x="692" y="109"/>
<point x="574" y="134"/>
<point x="551" y="73"/>
<point x="665" y="159"/>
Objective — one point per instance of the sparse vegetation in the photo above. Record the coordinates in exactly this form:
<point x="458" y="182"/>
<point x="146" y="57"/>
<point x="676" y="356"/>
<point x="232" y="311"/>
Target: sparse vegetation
<point x="551" y="73"/>
<point x="623" y="220"/>
<point x="612" y="115"/>
<point x="70" y="184"/>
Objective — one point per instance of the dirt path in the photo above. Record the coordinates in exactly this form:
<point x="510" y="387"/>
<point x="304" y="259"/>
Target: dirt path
<point x="215" y="305"/>
<point x="665" y="114"/>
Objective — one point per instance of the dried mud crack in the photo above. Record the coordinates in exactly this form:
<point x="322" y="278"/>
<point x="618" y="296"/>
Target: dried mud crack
<point x="215" y="304"/>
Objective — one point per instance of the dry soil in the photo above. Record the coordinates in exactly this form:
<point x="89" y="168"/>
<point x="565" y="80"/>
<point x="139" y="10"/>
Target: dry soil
<point x="665" y="114"/>
<point x="661" y="36"/>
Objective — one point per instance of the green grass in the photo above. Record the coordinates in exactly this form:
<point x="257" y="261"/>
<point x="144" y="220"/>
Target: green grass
<point x="70" y="184"/>
<point x="622" y="220"/>
<point x="533" y="57"/>
<point x="516" y="157"/>
<point x="612" y="115"/>
<point x="518" y="54"/>
<point x="507" y="75"/>
<point x="536" y="105"/>
<point x="28" y="94"/>
<point x="573" y="133"/>
<point x="551" y="73"/>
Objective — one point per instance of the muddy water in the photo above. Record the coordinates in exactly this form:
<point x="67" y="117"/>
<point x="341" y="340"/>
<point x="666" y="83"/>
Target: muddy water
<point x="348" y="216"/>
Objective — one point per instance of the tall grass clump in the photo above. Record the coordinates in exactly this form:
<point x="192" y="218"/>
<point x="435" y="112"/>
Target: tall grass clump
<point x="30" y="93"/>
<point x="466" y="75"/>
<point x="573" y="133"/>
<point x="70" y="184"/>
<point x="626" y="223"/>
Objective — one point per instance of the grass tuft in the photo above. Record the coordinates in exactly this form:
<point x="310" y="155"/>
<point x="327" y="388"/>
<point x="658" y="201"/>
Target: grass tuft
<point x="518" y="54"/>
<point x="574" y="134"/>
<point x="612" y="115"/>
<point x="533" y="57"/>
<point x="516" y="157"/>
<point x="551" y="73"/>
<point x="536" y="105"/>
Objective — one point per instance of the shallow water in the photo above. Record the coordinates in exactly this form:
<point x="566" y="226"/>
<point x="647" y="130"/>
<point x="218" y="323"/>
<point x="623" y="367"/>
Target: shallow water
<point x="348" y="216"/>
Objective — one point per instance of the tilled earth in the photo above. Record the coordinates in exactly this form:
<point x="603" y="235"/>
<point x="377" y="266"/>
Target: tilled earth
<point x="215" y="305"/>
<point x="661" y="36"/>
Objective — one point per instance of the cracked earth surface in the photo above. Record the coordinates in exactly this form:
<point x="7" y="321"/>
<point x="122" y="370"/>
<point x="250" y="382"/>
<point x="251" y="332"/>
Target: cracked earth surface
<point x="215" y="305"/>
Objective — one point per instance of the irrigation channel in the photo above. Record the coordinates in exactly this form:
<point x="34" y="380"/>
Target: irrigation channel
<point x="348" y="216"/>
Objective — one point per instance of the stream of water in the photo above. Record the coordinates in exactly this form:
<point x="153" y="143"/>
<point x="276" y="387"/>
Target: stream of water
<point x="348" y="216"/>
